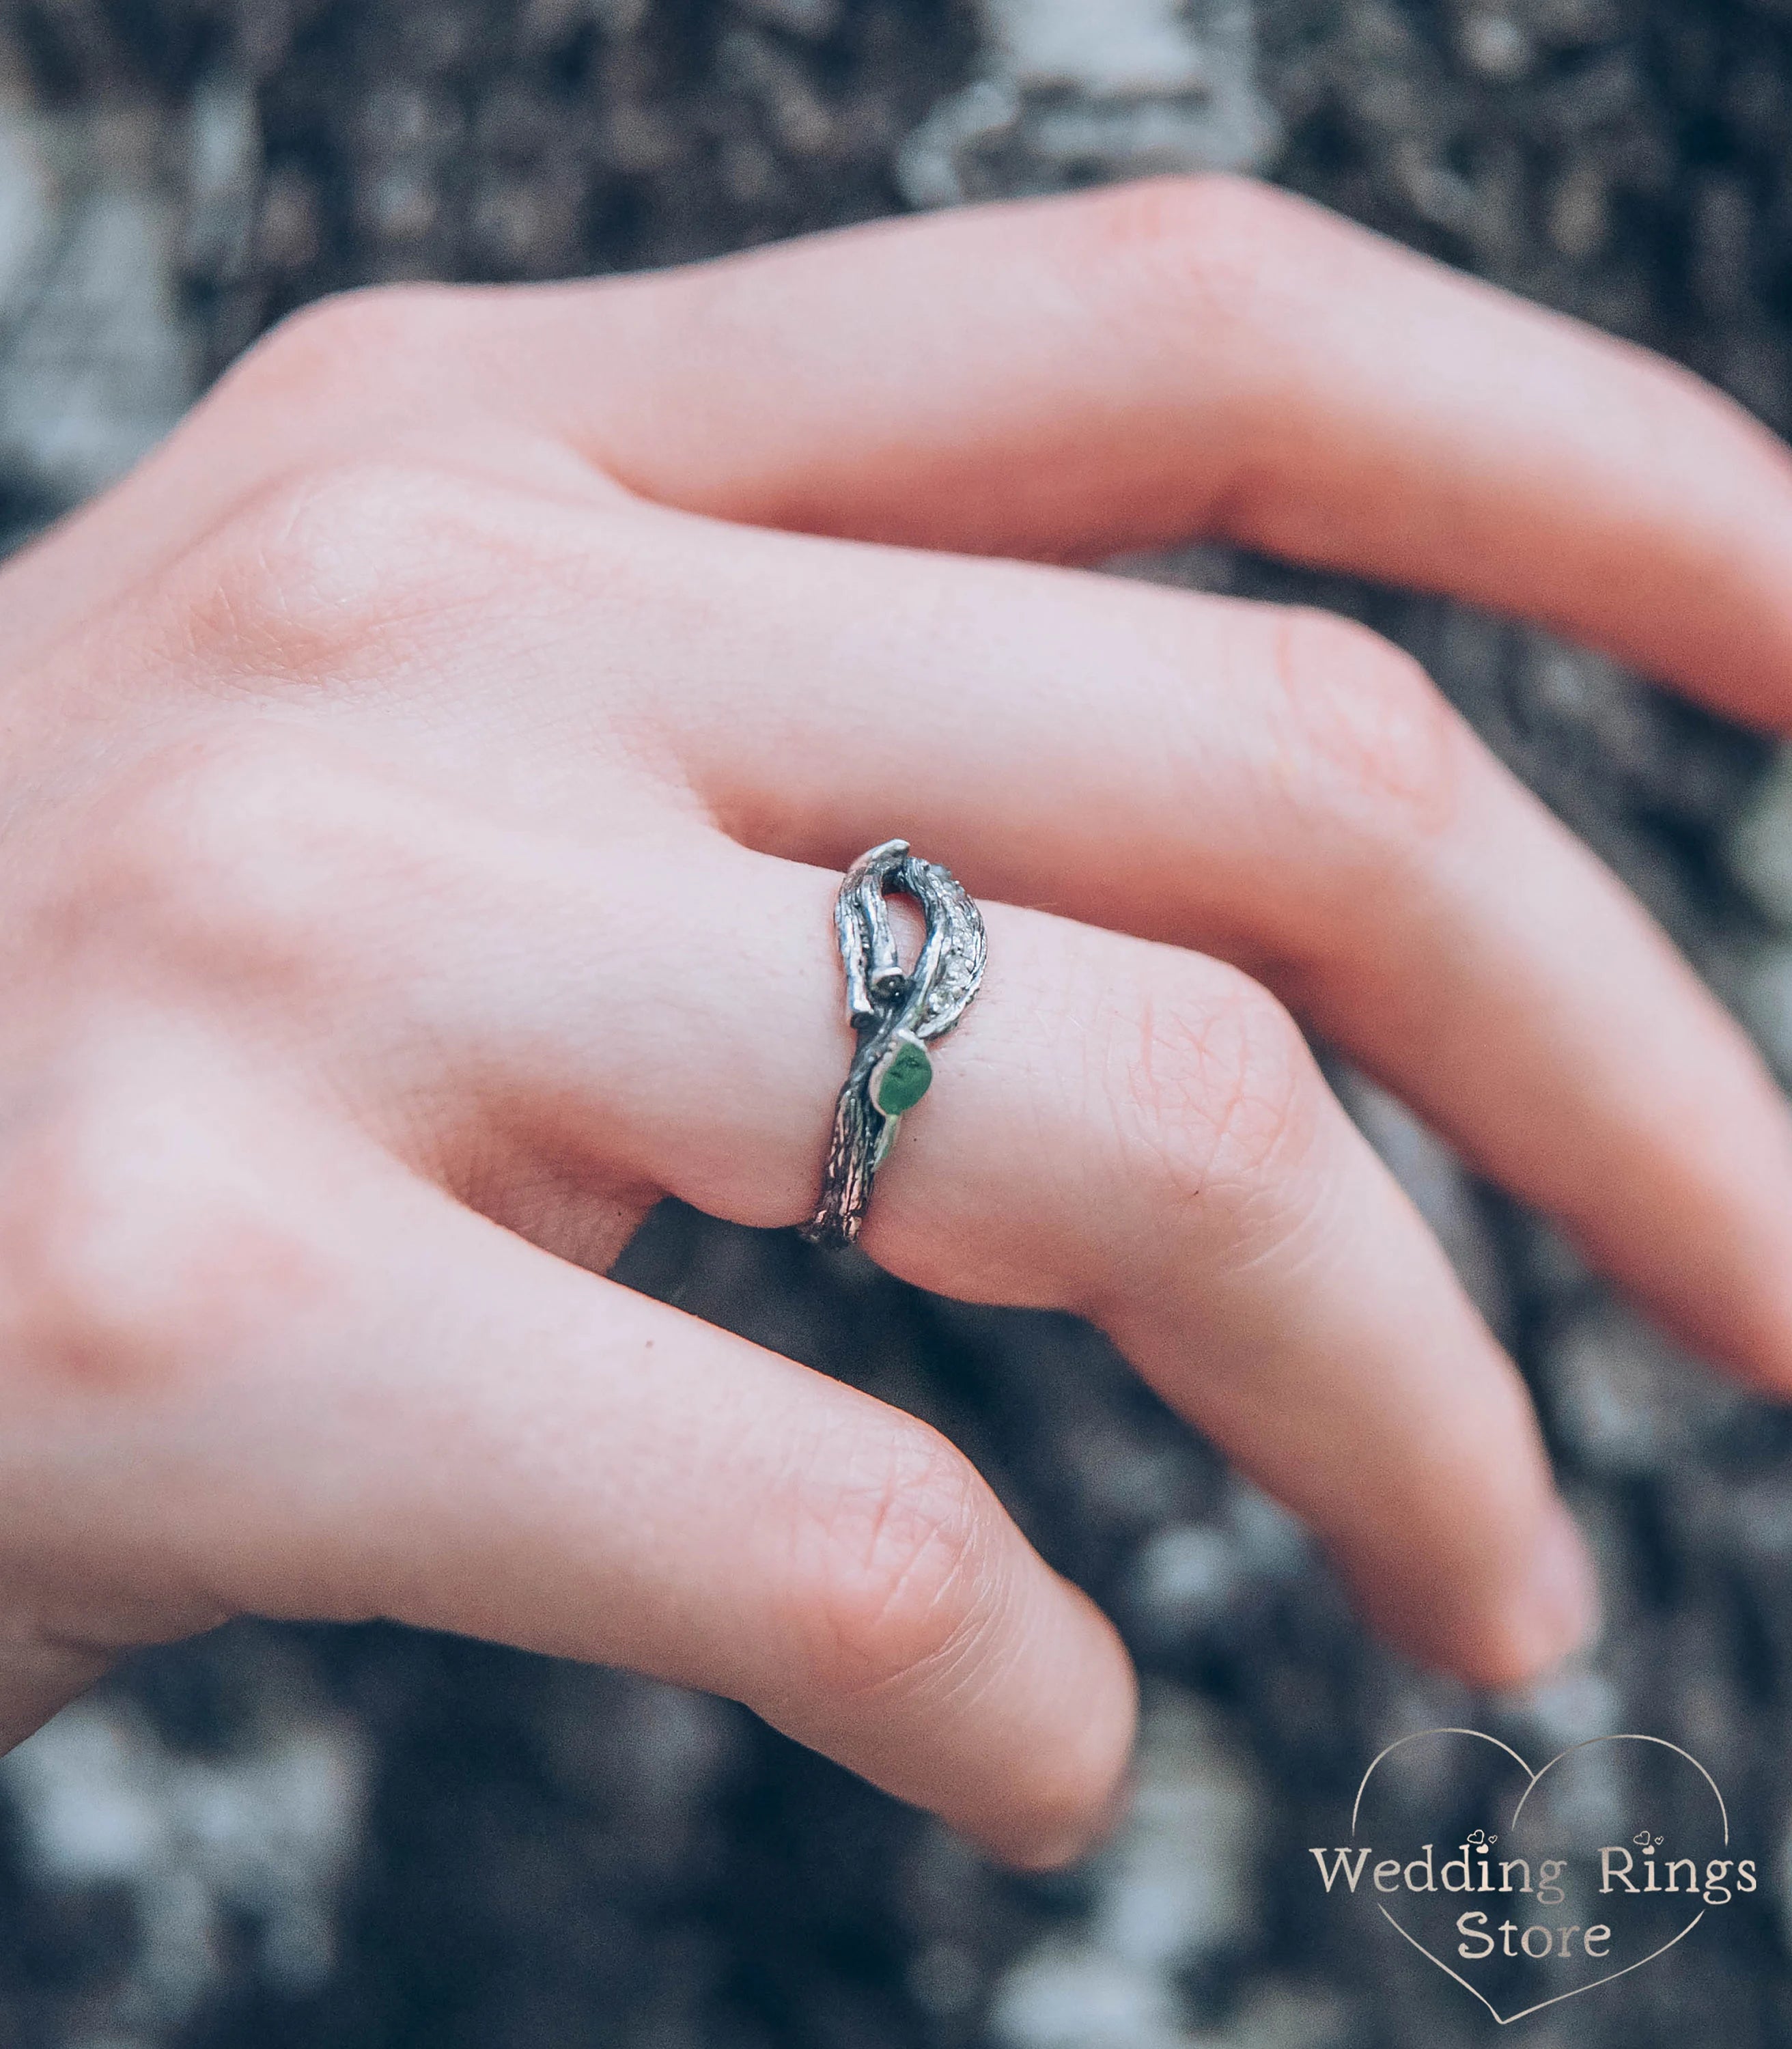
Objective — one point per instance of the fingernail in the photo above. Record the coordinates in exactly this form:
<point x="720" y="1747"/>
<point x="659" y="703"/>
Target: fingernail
<point x="1561" y="1602"/>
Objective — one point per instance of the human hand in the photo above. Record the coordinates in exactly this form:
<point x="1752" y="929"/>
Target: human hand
<point x="425" y="783"/>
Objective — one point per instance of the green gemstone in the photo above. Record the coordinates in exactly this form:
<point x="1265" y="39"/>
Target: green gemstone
<point x="901" y="1079"/>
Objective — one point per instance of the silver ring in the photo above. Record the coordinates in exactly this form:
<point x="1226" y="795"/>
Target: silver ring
<point x="895" y="1013"/>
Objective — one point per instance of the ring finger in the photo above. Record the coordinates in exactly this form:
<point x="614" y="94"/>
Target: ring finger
<point x="1283" y="789"/>
<point x="1118" y="1128"/>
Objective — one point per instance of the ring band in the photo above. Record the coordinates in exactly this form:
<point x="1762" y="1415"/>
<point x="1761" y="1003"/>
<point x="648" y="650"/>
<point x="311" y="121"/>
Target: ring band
<point x="894" y="1013"/>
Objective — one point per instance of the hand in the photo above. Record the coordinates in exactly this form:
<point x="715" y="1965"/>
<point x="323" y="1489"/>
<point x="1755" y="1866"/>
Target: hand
<point x="425" y="783"/>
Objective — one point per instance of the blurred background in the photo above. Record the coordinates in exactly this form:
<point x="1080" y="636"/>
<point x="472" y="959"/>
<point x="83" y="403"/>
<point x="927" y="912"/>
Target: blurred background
<point x="370" y="1839"/>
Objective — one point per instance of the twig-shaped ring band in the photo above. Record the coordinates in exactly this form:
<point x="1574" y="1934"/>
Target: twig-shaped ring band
<point x="895" y="1013"/>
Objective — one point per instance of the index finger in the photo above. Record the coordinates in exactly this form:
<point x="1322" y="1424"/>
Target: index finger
<point x="1206" y="357"/>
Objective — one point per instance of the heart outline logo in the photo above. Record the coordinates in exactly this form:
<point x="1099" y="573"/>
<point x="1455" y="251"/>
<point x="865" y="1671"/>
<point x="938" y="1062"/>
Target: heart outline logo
<point x="1535" y="1778"/>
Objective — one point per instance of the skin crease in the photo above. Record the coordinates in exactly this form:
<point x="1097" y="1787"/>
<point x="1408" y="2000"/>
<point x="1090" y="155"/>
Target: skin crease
<point x="418" y="769"/>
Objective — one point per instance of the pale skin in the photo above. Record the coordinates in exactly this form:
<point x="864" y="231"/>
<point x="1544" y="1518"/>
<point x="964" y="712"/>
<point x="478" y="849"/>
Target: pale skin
<point x="425" y="783"/>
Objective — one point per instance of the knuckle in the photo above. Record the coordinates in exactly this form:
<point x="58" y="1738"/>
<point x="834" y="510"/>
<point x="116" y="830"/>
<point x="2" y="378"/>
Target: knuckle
<point x="890" y="1562"/>
<point x="137" y="1249"/>
<point x="381" y="340"/>
<point x="222" y="863"/>
<point x="190" y="830"/>
<point x="1216" y="254"/>
<point x="1214" y="1092"/>
<point x="1373" y="753"/>
<point x="1215" y="215"/>
<point x="325" y="575"/>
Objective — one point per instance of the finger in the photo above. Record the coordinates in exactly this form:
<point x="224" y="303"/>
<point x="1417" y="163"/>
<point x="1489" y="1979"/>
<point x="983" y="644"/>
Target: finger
<point x="353" y="1397"/>
<point x="38" y="1678"/>
<point x="1282" y="789"/>
<point x="626" y="1484"/>
<point x="1118" y="1129"/>
<point x="1121" y="370"/>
